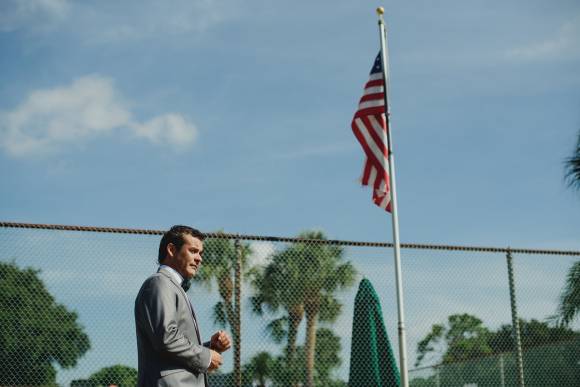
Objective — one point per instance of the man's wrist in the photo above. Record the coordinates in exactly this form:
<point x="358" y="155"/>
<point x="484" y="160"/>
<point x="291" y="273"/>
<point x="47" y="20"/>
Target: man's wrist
<point x="209" y="363"/>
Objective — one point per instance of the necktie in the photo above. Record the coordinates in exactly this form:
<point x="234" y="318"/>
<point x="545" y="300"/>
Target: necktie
<point x="186" y="284"/>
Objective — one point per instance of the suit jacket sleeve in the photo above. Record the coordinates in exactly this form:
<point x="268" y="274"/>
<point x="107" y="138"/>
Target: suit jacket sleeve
<point x="159" y="306"/>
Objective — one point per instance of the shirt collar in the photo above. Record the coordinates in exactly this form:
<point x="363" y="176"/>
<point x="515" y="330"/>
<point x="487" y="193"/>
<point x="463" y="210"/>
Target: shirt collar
<point x="174" y="273"/>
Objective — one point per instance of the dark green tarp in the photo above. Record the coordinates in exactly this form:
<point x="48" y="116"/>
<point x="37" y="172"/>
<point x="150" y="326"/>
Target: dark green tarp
<point x="371" y="358"/>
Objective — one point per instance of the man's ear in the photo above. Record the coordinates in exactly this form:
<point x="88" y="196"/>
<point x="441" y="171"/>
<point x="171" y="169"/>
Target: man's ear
<point x="171" y="250"/>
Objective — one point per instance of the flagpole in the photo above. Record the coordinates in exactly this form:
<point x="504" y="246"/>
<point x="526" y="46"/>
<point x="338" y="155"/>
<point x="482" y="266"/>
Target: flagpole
<point x="396" y="242"/>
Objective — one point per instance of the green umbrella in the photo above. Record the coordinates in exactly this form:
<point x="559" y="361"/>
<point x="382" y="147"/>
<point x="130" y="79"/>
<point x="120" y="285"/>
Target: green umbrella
<point x="371" y="358"/>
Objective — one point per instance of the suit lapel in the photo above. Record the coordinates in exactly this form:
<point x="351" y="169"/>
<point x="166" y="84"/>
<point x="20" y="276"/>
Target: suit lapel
<point x="187" y="301"/>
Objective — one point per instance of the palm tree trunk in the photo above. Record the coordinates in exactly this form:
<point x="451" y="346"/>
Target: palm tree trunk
<point x="237" y="318"/>
<point x="311" y="317"/>
<point x="295" y="318"/>
<point x="228" y="290"/>
<point x="233" y="317"/>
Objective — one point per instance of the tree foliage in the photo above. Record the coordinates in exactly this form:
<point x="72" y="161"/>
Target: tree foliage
<point x="533" y="333"/>
<point x="573" y="167"/>
<point x="219" y="266"/>
<point x="569" y="306"/>
<point x="118" y="375"/>
<point x="260" y="368"/>
<point x="466" y="351"/>
<point x="37" y="332"/>
<point x="220" y="260"/>
<point x="278" y="287"/>
<point x="323" y="274"/>
<point x="465" y="337"/>
<point x="327" y="355"/>
<point x="278" y="372"/>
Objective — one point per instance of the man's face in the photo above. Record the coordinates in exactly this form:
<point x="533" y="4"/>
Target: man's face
<point x="187" y="260"/>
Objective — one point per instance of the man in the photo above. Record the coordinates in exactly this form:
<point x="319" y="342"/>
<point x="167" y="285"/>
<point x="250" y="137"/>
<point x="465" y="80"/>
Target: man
<point x="168" y="342"/>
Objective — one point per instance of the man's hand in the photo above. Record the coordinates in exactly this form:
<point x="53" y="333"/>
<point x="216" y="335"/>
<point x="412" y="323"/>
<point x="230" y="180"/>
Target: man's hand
<point x="220" y="341"/>
<point x="216" y="361"/>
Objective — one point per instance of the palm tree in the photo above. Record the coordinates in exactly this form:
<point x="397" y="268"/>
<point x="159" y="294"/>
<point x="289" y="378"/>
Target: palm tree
<point x="573" y="167"/>
<point x="260" y="367"/>
<point x="569" y="307"/>
<point x="323" y="273"/>
<point x="220" y="259"/>
<point x="302" y="280"/>
<point x="278" y="288"/>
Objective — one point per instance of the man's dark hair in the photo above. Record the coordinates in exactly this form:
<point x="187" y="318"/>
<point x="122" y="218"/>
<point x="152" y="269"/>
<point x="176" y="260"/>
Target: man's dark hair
<point x="175" y="236"/>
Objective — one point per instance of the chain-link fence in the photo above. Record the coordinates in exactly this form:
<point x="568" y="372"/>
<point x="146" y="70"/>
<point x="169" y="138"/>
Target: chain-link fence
<point x="291" y="307"/>
<point x="551" y="364"/>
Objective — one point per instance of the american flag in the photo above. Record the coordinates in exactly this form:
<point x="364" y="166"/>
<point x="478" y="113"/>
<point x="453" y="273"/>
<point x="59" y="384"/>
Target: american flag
<point x="370" y="128"/>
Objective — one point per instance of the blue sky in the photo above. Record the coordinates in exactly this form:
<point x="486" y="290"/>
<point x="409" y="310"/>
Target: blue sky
<point x="236" y="115"/>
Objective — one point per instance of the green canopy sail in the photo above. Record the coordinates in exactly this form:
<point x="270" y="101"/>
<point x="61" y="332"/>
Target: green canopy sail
<point x="371" y="358"/>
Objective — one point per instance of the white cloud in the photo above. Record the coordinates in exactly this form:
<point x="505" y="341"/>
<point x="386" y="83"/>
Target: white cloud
<point x="152" y="19"/>
<point x="71" y="115"/>
<point x="38" y="14"/>
<point x="170" y="129"/>
<point x="564" y="44"/>
<point x="261" y="253"/>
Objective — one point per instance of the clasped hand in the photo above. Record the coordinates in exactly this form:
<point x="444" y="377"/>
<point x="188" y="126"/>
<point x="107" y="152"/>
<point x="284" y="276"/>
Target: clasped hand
<point x="220" y="342"/>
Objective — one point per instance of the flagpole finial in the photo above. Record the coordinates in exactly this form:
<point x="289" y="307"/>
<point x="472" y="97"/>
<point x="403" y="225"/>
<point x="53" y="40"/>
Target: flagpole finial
<point x="380" y="11"/>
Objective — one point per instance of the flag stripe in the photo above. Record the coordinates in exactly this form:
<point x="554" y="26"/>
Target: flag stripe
<point x="374" y="154"/>
<point x="370" y="103"/>
<point x="370" y="90"/>
<point x="366" y="173"/>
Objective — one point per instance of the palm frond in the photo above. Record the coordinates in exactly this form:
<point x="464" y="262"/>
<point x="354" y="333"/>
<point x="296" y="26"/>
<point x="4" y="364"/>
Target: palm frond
<point x="219" y="314"/>
<point x="573" y="167"/>
<point x="278" y="329"/>
<point x="569" y="306"/>
<point x="330" y="308"/>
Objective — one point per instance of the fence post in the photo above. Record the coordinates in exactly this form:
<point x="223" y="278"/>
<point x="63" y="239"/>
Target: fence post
<point x="515" y="320"/>
<point x="237" y="312"/>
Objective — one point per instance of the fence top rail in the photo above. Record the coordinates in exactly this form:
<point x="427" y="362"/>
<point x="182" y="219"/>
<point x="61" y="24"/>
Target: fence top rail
<point x="223" y="235"/>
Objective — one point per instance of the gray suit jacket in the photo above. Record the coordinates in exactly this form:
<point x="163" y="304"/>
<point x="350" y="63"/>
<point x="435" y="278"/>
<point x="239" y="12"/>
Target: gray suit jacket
<point x="168" y="344"/>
